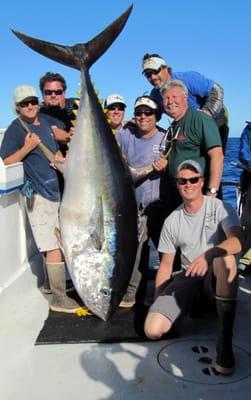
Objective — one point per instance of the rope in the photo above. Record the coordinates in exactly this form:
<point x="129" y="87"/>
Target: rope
<point x="47" y="152"/>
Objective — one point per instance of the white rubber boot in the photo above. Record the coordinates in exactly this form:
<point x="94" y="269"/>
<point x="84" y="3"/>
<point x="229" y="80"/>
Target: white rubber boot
<point x="60" y="301"/>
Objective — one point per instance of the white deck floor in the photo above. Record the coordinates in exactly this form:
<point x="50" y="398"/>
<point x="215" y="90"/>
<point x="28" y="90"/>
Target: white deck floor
<point x="112" y="371"/>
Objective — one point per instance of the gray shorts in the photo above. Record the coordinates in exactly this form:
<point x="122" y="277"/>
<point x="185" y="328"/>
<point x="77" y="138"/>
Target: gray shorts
<point x="183" y="294"/>
<point x="43" y="220"/>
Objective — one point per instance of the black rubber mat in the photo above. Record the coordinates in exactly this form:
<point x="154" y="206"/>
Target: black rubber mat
<point x="125" y="325"/>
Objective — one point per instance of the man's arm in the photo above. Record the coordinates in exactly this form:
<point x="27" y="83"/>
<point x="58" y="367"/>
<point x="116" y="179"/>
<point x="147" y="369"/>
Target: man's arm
<point x="214" y="101"/>
<point x="232" y="245"/>
<point x="61" y="135"/>
<point x="164" y="272"/>
<point x="31" y="141"/>
<point x="216" y="158"/>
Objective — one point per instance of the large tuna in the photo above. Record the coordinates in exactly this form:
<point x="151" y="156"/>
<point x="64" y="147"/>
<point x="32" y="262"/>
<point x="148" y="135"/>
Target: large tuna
<point x="98" y="214"/>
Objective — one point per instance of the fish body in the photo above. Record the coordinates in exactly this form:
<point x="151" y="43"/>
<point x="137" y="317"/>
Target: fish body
<point x="98" y="213"/>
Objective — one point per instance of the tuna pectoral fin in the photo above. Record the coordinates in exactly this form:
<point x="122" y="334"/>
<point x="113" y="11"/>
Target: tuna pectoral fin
<point x="97" y="236"/>
<point x="80" y="55"/>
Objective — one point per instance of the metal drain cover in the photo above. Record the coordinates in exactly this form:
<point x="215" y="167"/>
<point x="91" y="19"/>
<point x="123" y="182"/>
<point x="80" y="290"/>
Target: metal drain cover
<point x="193" y="360"/>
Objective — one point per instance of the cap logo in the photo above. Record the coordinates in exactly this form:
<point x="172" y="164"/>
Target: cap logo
<point x="145" y="101"/>
<point x="114" y="98"/>
<point x="153" y="63"/>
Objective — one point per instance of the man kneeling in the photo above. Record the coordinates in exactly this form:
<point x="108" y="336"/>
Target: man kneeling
<point x="208" y="234"/>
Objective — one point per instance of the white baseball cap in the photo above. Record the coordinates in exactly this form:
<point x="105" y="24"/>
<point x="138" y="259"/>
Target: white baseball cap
<point x="145" y="101"/>
<point x="114" y="99"/>
<point x="153" y="63"/>
<point x="23" y="92"/>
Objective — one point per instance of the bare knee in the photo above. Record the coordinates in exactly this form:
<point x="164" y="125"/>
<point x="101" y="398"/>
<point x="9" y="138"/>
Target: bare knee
<point x="156" y="325"/>
<point x="225" y="267"/>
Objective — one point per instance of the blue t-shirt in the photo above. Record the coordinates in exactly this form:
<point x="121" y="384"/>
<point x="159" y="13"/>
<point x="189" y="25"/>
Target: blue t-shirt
<point x="198" y="86"/>
<point x="140" y="151"/>
<point x="37" y="168"/>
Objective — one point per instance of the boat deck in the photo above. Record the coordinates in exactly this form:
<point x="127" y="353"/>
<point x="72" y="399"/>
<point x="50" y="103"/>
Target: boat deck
<point x="174" y="368"/>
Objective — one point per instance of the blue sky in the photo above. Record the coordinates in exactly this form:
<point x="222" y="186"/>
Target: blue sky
<point x="209" y="37"/>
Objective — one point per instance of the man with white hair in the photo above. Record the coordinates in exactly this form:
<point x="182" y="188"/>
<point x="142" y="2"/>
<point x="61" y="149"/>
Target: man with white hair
<point x="203" y="93"/>
<point x="194" y="135"/>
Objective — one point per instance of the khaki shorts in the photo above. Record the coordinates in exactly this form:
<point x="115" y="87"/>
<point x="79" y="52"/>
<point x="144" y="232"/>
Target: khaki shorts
<point x="43" y="220"/>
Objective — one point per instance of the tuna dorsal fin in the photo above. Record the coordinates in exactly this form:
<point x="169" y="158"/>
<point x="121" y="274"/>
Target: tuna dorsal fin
<point x="80" y="55"/>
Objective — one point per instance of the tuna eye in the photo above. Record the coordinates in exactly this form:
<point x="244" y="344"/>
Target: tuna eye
<point x="105" y="291"/>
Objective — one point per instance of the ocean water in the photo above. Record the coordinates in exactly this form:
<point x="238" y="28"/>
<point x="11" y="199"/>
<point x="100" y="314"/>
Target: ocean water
<point x="230" y="172"/>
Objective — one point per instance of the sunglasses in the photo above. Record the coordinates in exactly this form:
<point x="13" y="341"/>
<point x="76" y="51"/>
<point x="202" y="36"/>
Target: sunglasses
<point x="147" y="113"/>
<point x="49" y="92"/>
<point x="25" y="103"/>
<point x="151" y="72"/>
<point x="183" y="181"/>
<point x="119" y="108"/>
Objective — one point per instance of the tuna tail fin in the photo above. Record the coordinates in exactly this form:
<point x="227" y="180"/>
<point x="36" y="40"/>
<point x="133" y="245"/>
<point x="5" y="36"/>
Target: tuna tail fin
<point x="80" y="55"/>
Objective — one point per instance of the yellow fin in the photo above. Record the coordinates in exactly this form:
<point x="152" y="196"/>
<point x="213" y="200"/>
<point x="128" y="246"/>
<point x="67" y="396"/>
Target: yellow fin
<point x="83" y="312"/>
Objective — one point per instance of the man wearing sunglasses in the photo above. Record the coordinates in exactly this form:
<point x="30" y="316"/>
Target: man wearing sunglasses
<point x="208" y="234"/>
<point x="203" y="93"/>
<point x="114" y="107"/>
<point x="41" y="189"/>
<point x="53" y="88"/>
<point x="143" y="144"/>
<point x="196" y="136"/>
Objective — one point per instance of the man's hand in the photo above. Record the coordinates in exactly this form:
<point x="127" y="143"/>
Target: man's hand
<point x="198" y="267"/>
<point x="61" y="135"/>
<point x="59" y="162"/>
<point x="31" y="141"/>
<point x="160" y="164"/>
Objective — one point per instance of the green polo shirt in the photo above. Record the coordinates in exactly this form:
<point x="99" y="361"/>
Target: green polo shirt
<point x="197" y="133"/>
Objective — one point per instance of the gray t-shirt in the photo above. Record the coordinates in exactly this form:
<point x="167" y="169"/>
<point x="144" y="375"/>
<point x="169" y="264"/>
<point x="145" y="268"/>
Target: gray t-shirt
<point x="141" y="151"/>
<point x="196" y="233"/>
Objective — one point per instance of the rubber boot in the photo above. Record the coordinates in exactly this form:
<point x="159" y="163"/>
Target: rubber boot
<point x="60" y="301"/>
<point x="225" y="362"/>
<point x="46" y="285"/>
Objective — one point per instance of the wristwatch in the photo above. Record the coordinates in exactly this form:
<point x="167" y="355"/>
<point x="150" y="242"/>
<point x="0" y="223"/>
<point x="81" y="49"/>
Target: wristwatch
<point x="212" y="190"/>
